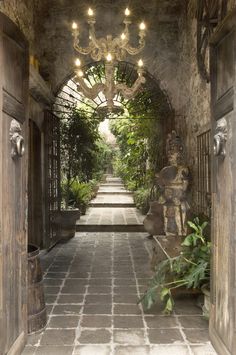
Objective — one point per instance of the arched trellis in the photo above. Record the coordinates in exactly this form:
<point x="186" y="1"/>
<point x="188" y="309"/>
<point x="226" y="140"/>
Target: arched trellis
<point x="155" y="98"/>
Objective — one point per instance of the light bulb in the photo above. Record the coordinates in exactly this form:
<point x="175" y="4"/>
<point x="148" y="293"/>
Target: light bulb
<point x="90" y="12"/>
<point x="123" y="36"/>
<point x="77" y="62"/>
<point x="74" y="26"/>
<point x="142" y="26"/>
<point x="140" y="63"/>
<point x="109" y="57"/>
<point x="80" y="73"/>
<point x="127" y="11"/>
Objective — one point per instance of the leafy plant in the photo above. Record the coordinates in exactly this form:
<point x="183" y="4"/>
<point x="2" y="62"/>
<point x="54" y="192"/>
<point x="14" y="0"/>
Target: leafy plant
<point x="140" y="144"/>
<point x="190" y="269"/>
<point x="79" y="194"/>
<point x="141" y="199"/>
<point x="84" y="154"/>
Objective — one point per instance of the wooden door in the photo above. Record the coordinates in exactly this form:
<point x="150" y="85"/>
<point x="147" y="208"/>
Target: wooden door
<point x="13" y="187"/>
<point x="223" y="288"/>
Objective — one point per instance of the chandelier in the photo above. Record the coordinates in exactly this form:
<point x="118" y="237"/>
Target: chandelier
<point x="111" y="50"/>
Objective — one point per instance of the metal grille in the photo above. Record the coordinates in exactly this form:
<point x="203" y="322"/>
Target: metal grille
<point x="52" y="175"/>
<point x="204" y="174"/>
<point x="69" y="96"/>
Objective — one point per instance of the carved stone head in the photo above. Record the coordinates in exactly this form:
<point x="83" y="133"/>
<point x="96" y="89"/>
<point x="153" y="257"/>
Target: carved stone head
<point x="174" y="149"/>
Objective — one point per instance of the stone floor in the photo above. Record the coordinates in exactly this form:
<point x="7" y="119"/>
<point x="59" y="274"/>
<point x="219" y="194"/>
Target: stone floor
<point x="106" y="193"/>
<point x="112" y="210"/>
<point x="92" y="284"/>
<point x="111" y="216"/>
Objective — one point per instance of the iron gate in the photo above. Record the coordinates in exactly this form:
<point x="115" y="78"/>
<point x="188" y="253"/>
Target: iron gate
<point x="52" y="177"/>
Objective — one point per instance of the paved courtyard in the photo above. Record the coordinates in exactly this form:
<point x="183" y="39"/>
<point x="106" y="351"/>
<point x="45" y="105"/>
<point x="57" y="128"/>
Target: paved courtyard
<point x="92" y="284"/>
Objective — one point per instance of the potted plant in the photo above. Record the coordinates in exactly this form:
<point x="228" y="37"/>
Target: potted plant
<point x="81" y="194"/>
<point x="65" y="222"/>
<point x="190" y="269"/>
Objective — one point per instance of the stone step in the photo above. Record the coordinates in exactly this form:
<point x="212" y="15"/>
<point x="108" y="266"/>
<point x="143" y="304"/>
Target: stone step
<point x="126" y="228"/>
<point x="108" y="188"/>
<point x="111" y="185"/>
<point x="112" y="190"/>
<point x="111" y="204"/>
<point x="113" y="180"/>
<point x="125" y="192"/>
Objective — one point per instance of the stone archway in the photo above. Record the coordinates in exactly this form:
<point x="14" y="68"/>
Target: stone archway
<point x="151" y="96"/>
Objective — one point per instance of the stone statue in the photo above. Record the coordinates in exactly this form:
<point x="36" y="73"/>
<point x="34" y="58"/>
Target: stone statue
<point x="167" y="215"/>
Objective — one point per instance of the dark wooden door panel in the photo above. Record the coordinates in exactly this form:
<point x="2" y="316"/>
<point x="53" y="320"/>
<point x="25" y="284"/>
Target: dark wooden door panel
<point x="223" y="83"/>
<point x="13" y="187"/>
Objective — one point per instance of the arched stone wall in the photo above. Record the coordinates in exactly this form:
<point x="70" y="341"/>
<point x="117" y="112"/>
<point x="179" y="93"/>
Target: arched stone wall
<point x="128" y="71"/>
<point x="151" y="103"/>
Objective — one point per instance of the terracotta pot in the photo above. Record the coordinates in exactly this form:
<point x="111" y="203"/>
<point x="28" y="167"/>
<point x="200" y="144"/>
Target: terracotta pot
<point x="65" y="222"/>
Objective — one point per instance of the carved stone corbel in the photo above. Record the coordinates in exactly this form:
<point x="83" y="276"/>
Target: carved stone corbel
<point x="220" y="138"/>
<point x="16" y="139"/>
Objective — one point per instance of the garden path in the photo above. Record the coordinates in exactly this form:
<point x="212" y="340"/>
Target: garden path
<point x="92" y="284"/>
<point x="112" y="210"/>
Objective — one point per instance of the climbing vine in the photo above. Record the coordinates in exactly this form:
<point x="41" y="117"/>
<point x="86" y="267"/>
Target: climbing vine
<point x="84" y="154"/>
<point x="139" y="137"/>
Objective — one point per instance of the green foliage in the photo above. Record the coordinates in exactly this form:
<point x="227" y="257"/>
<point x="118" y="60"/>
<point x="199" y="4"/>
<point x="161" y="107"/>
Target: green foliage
<point x="84" y="154"/>
<point x="190" y="269"/>
<point x="139" y="137"/>
<point x="143" y="196"/>
<point x="79" y="193"/>
<point x="104" y="156"/>
<point x="136" y="161"/>
<point x="141" y="199"/>
<point x="79" y="135"/>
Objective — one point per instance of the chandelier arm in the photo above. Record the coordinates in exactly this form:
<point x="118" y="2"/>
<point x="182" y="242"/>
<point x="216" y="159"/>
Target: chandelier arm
<point x="123" y="42"/>
<point x="120" y="54"/>
<point x="127" y="23"/>
<point x="92" y="92"/>
<point x="92" y="36"/>
<point x="96" y="54"/>
<point x="132" y="50"/>
<point x="84" y="50"/>
<point x="129" y="93"/>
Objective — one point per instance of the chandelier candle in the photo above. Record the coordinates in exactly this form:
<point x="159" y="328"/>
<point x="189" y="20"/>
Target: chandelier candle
<point x="110" y="50"/>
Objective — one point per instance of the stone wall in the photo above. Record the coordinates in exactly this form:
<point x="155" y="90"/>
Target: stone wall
<point x="192" y="98"/>
<point x="22" y="13"/>
<point x="56" y="51"/>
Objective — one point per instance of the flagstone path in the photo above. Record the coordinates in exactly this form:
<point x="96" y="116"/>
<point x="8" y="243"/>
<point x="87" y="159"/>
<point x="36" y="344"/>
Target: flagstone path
<point x="92" y="284"/>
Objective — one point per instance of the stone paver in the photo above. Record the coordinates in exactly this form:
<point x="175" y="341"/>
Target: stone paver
<point x="108" y="200"/>
<point x="94" y="310"/>
<point x="109" y="216"/>
<point x="92" y="284"/>
<point x="112" y="210"/>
